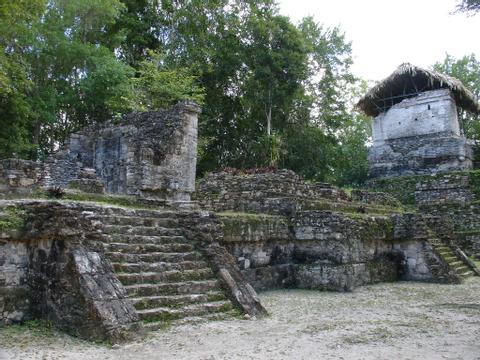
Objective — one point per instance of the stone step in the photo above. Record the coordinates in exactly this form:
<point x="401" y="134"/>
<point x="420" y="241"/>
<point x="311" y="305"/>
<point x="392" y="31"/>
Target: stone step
<point x="442" y="248"/>
<point x="118" y="211"/>
<point x="153" y="257"/>
<point x="446" y="253"/>
<point x="461" y="269"/>
<point x="166" y="276"/>
<point x="147" y="248"/>
<point x="168" y="314"/>
<point x="139" y="221"/>
<point x="189" y="287"/>
<point x="190" y="320"/>
<point x="123" y="267"/>
<point x="455" y="263"/>
<point x="145" y="239"/>
<point x="449" y="258"/>
<point x="142" y="230"/>
<point x="175" y="301"/>
<point x="466" y="274"/>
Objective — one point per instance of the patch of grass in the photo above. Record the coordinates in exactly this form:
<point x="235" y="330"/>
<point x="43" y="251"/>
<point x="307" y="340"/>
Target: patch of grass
<point x="125" y="201"/>
<point x="12" y="218"/>
<point x="34" y="328"/>
<point x="348" y="191"/>
<point x="75" y="195"/>
<point x="378" y="334"/>
<point x="475" y="261"/>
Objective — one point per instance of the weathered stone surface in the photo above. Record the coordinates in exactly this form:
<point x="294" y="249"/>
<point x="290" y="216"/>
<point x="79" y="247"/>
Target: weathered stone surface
<point x="240" y="291"/>
<point x="325" y="275"/>
<point x="415" y="240"/>
<point x="379" y="198"/>
<point x="52" y="269"/>
<point x="19" y="177"/>
<point x="88" y="182"/>
<point x="281" y="192"/>
<point x="452" y="188"/>
<point x="420" y="135"/>
<point x="450" y="197"/>
<point x="79" y="292"/>
<point x="152" y="155"/>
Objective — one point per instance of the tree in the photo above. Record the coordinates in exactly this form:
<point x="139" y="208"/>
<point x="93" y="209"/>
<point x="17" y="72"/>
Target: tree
<point x="332" y="137"/>
<point x="469" y="6"/>
<point x="18" y="20"/>
<point x="139" y="26"/>
<point x="160" y="87"/>
<point x="74" y="79"/>
<point x="467" y="70"/>
<point x="273" y="93"/>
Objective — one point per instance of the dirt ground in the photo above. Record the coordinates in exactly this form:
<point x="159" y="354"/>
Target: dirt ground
<point x="386" y="321"/>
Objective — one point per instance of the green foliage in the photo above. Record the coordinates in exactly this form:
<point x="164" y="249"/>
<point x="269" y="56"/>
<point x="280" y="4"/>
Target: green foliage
<point x="119" y="200"/>
<point x="308" y="151"/>
<point x="35" y="328"/>
<point x="467" y="70"/>
<point x="11" y="218"/>
<point x="468" y="6"/>
<point x="160" y="87"/>
<point x="273" y="93"/>
<point x="17" y="32"/>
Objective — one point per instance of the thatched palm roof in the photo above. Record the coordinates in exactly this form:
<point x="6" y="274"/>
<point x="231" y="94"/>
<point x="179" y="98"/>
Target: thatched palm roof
<point x="409" y="79"/>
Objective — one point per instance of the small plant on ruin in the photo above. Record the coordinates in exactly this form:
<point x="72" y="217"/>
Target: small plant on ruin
<point x="56" y="192"/>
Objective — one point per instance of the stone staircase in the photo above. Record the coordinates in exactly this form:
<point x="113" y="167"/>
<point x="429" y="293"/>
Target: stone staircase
<point x="167" y="280"/>
<point x="453" y="260"/>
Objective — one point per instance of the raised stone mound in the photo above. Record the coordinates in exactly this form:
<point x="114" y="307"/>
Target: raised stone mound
<point x="281" y="192"/>
<point x="52" y="269"/>
<point x="319" y="237"/>
<point x="453" y="197"/>
<point x="102" y="271"/>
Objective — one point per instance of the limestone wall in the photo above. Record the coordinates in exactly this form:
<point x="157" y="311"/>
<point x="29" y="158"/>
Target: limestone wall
<point x="414" y="236"/>
<point x="50" y="268"/>
<point x="19" y="177"/>
<point x="151" y="155"/>
<point x="452" y="196"/>
<point x="318" y="236"/>
<point x="419" y="135"/>
<point x="428" y="113"/>
<point x="281" y="193"/>
<point x="336" y="251"/>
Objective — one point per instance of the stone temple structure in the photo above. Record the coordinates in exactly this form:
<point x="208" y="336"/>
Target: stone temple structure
<point x="116" y="252"/>
<point x="151" y="155"/>
<point x="416" y="128"/>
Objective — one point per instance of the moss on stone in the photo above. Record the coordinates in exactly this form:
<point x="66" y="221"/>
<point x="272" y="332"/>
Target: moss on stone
<point x="249" y="216"/>
<point x="403" y="187"/>
<point x="351" y="207"/>
<point x="467" y="232"/>
<point x="12" y="218"/>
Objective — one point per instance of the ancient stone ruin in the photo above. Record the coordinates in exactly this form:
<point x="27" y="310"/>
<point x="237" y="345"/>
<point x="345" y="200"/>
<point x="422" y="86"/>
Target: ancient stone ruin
<point x="152" y="155"/>
<point x="130" y="245"/>
<point x="416" y="128"/>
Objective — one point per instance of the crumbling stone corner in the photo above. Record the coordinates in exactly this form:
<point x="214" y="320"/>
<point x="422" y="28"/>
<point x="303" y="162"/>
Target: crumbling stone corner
<point x="237" y="287"/>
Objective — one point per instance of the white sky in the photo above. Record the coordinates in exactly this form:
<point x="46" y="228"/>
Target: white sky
<point x="386" y="33"/>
